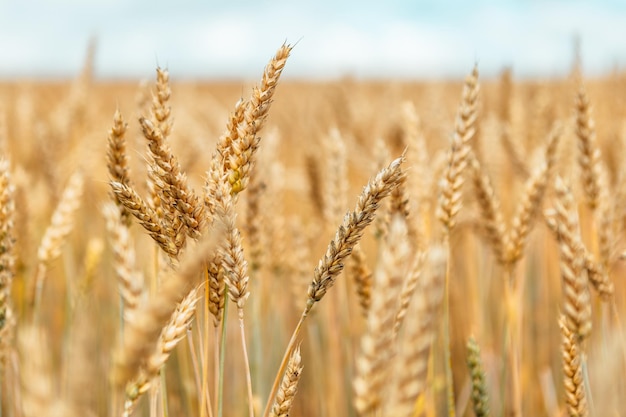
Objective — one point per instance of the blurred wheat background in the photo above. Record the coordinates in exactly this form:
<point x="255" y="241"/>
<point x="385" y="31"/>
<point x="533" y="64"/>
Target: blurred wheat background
<point x="164" y="244"/>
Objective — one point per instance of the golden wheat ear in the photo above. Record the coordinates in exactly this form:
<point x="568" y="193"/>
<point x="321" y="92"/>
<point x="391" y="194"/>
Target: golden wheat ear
<point x="573" y="381"/>
<point x="117" y="159"/>
<point x="465" y="127"/>
<point x="351" y="230"/>
<point x="576" y="298"/>
<point x="236" y="150"/>
<point x="288" y="386"/>
<point x="489" y="205"/>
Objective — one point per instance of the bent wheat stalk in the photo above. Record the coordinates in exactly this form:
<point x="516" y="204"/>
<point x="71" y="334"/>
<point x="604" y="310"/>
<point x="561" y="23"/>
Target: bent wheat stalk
<point x="347" y="236"/>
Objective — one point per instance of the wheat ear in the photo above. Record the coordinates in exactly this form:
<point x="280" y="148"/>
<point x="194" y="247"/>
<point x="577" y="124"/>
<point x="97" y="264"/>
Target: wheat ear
<point x="117" y="158"/>
<point x="573" y="380"/>
<point x="597" y="275"/>
<point x="160" y="110"/>
<point x="351" y="230"/>
<point x="450" y="187"/>
<point x="131" y="281"/>
<point x="7" y="260"/>
<point x="241" y="161"/>
<point x="217" y="166"/>
<point x="362" y="276"/>
<point x="530" y="204"/>
<point x="56" y="234"/>
<point x="489" y="205"/>
<point x="480" y="398"/>
<point x="168" y="177"/>
<point x="577" y="303"/>
<point x="409" y="286"/>
<point x="288" y="386"/>
<point x="146" y="216"/>
<point x="589" y="159"/>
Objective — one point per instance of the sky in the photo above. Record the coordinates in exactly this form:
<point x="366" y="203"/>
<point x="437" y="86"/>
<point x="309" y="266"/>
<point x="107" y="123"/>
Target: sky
<point x="383" y="39"/>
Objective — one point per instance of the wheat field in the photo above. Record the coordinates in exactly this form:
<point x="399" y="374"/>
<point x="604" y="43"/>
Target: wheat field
<point x="290" y="247"/>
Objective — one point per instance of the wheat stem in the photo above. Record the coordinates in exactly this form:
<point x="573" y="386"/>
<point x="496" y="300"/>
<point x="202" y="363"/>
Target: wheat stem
<point x="220" y="381"/>
<point x="246" y="362"/>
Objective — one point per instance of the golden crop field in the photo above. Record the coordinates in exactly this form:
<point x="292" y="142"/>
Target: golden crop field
<point x="331" y="248"/>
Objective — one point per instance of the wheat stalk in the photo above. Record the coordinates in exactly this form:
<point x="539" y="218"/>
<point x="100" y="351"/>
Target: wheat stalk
<point x="160" y="109"/>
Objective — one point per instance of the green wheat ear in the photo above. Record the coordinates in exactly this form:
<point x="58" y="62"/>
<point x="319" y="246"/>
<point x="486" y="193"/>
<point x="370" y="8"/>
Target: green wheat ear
<point x="480" y="398"/>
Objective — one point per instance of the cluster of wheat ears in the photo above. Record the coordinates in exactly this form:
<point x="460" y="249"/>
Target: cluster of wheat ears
<point x="488" y="282"/>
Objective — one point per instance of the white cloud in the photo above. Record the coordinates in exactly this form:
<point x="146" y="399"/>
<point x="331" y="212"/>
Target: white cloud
<point x="400" y="38"/>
